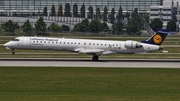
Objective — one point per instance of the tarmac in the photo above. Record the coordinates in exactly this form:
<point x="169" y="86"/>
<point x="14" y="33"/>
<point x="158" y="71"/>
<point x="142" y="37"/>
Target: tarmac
<point x="83" y="62"/>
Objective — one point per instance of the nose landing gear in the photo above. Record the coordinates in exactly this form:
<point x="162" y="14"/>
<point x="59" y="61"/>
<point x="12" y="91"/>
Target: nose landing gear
<point x="13" y="51"/>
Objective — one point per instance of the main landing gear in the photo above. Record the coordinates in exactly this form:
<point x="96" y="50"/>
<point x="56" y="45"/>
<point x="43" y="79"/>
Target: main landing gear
<point x="13" y="51"/>
<point x="95" y="58"/>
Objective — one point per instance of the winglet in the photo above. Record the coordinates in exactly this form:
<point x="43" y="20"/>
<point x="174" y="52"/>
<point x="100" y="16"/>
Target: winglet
<point x="158" y="37"/>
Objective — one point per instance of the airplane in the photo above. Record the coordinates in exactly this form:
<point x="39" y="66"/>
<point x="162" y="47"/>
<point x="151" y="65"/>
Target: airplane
<point x="89" y="46"/>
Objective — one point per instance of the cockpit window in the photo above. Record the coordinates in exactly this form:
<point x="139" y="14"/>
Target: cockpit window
<point x="15" y="40"/>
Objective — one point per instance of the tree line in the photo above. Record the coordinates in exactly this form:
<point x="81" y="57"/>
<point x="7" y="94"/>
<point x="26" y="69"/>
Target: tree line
<point x="40" y="27"/>
<point x="94" y="26"/>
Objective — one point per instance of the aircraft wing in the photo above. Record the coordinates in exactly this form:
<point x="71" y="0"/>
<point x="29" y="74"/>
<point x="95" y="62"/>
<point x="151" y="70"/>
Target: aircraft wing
<point x="91" y="51"/>
<point x="94" y="51"/>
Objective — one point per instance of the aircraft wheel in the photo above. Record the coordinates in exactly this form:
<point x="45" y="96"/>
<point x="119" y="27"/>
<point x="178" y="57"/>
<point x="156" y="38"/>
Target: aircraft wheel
<point x="95" y="58"/>
<point x="13" y="53"/>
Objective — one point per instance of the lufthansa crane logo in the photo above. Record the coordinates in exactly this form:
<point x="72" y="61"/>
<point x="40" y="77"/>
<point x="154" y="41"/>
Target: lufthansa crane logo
<point x="157" y="39"/>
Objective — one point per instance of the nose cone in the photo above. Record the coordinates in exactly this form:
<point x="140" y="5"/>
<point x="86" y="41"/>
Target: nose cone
<point x="8" y="44"/>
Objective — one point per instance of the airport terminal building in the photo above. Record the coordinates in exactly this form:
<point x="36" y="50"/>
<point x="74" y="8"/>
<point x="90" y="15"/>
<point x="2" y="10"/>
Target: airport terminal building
<point x="21" y="10"/>
<point x="27" y="7"/>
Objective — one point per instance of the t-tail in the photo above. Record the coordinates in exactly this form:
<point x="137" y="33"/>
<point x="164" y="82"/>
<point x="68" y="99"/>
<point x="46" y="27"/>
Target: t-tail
<point x="158" y="37"/>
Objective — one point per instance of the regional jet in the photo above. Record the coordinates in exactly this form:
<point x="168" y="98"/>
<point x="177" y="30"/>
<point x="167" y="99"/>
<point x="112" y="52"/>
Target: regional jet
<point x="88" y="46"/>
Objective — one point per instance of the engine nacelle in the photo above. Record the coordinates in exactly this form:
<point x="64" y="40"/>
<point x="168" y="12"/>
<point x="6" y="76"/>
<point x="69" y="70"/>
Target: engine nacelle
<point x="132" y="44"/>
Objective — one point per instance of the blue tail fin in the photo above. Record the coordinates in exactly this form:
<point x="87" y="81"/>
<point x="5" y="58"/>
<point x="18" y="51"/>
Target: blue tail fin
<point x="158" y="37"/>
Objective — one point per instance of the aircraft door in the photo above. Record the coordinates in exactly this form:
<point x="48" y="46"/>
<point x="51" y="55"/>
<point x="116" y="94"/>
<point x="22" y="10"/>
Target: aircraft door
<point x="30" y="42"/>
<point x="116" y="47"/>
<point x="25" y="41"/>
<point x="19" y="42"/>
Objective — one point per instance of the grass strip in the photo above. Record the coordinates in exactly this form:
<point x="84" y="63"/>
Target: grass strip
<point x="88" y="84"/>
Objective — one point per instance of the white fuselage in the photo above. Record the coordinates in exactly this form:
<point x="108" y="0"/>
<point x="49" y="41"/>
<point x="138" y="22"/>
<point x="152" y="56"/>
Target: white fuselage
<point x="86" y="46"/>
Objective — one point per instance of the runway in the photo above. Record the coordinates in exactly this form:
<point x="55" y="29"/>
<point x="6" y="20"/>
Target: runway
<point x="82" y="62"/>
